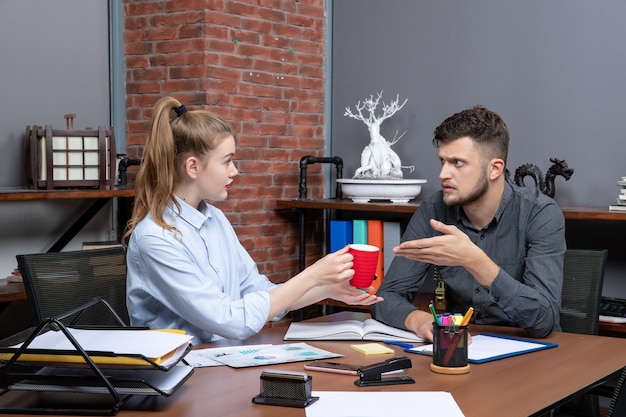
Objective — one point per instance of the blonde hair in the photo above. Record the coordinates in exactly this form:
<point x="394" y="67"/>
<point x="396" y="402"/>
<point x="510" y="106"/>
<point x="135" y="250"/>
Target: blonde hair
<point x="169" y="143"/>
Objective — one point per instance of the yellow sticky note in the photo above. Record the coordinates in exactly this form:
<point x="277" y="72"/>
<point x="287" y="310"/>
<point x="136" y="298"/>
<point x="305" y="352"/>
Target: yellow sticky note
<point x="372" y="349"/>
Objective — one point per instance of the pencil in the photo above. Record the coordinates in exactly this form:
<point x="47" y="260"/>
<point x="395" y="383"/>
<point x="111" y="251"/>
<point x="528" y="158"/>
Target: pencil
<point x="467" y="316"/>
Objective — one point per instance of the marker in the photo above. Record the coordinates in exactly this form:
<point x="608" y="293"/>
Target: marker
<point x="432" y="310"/>
<point x="467" y="316"/>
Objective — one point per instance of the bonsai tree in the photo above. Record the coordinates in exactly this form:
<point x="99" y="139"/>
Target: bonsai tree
<point x="378" y="160"/>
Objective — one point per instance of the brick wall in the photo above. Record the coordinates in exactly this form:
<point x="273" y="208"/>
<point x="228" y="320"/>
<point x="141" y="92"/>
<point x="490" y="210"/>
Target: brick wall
<point x="260" y="65"/>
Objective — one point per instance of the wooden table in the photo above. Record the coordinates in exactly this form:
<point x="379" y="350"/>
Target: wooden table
<point x="525" y="385"/>
<point x="12" y="291"/>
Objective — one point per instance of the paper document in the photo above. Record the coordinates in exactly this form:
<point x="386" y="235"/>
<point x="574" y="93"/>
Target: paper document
<point x="206" y="357"/>
<point x="612" y="319"/>
<point x="383" y="404"/>
<point x="150" y="343"/>
<point x="273" y="354"/>
<point x="490" y="347"/>
<point x="158" y="346"/>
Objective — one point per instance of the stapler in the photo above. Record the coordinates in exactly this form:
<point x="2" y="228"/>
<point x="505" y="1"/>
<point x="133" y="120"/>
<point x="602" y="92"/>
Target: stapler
<point x="371" y="375"/>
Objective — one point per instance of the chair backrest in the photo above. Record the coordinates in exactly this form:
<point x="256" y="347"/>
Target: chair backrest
<point x="58" y="282"/>
<point x="583" y="275"/>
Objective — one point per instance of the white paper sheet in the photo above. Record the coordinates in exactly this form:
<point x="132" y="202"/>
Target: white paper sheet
<point x="383" y="404"/>
<point x="487" y="347"/>
<point x="151" y="344"/>
<point x="206" y="357"/>
<point x="274" y="354"/>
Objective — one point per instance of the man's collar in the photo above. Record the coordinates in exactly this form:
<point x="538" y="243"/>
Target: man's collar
<point x="507" y="195"/>
<point x="459" y="215"/>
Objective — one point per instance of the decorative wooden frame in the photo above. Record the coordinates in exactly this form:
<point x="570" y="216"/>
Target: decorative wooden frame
<point x="70" y="158"/>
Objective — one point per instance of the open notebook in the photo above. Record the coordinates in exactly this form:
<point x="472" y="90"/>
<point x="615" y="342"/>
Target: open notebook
<point x="369" y="329"/>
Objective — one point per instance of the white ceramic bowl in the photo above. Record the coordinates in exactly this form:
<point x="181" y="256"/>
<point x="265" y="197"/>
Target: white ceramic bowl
<point x="398" y="191"/>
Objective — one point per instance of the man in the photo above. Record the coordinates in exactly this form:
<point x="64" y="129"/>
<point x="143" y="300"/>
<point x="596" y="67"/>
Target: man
<point x="499" y="248"/>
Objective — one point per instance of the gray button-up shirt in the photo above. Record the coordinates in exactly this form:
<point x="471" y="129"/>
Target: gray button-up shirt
<point x="526" y="238"/>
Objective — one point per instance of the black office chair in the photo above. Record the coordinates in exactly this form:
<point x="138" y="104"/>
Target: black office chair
<point x="583" y="275"/>
<point x="617" y="408"/>
<point x="58" y="282"/>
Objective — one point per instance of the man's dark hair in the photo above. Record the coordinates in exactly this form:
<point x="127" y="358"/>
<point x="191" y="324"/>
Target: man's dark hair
<point x="485" y="127"/>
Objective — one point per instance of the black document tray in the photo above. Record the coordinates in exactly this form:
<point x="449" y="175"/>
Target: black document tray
<point x="79" y="389"/>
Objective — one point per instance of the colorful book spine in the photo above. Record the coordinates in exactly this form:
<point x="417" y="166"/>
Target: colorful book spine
<point x="340" y="234"/>
<point x="391" y="236"/>
<point x="375" y="237"/>
<point x="359" y="231"/>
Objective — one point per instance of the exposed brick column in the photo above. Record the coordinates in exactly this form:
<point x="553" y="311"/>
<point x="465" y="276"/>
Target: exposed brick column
<point x="260" y="65"/>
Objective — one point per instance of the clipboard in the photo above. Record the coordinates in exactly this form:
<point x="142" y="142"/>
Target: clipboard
<point x="488" y="347"/>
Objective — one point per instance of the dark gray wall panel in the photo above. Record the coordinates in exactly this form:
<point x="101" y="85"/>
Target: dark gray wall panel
<point x="554" y="70"/>
<point x="54" y="60"/>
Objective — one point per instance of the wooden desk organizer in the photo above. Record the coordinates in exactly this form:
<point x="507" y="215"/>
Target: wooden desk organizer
<point x="70" y="158"/>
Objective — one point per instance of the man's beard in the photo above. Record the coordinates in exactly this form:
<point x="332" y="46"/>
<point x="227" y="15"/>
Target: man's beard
<point x="477" y="192"/>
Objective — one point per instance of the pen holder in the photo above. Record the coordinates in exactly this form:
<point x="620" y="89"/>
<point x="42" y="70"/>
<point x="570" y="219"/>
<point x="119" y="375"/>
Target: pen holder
<point x="450" y="349"/>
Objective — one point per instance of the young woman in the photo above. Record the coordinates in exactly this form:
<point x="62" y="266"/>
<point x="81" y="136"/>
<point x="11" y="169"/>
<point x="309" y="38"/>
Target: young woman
<point x="186" y="267"/>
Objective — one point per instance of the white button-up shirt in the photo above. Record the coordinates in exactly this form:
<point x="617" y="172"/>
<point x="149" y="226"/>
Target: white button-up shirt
<point x="201" y="279"/>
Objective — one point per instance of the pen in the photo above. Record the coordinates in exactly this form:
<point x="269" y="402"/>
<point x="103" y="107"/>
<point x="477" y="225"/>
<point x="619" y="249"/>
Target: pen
<point x="394" y="343"/>
<point x="432" y="310"/>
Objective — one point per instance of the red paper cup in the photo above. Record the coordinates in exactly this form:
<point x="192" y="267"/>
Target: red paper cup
<point x="365" y="262"/>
